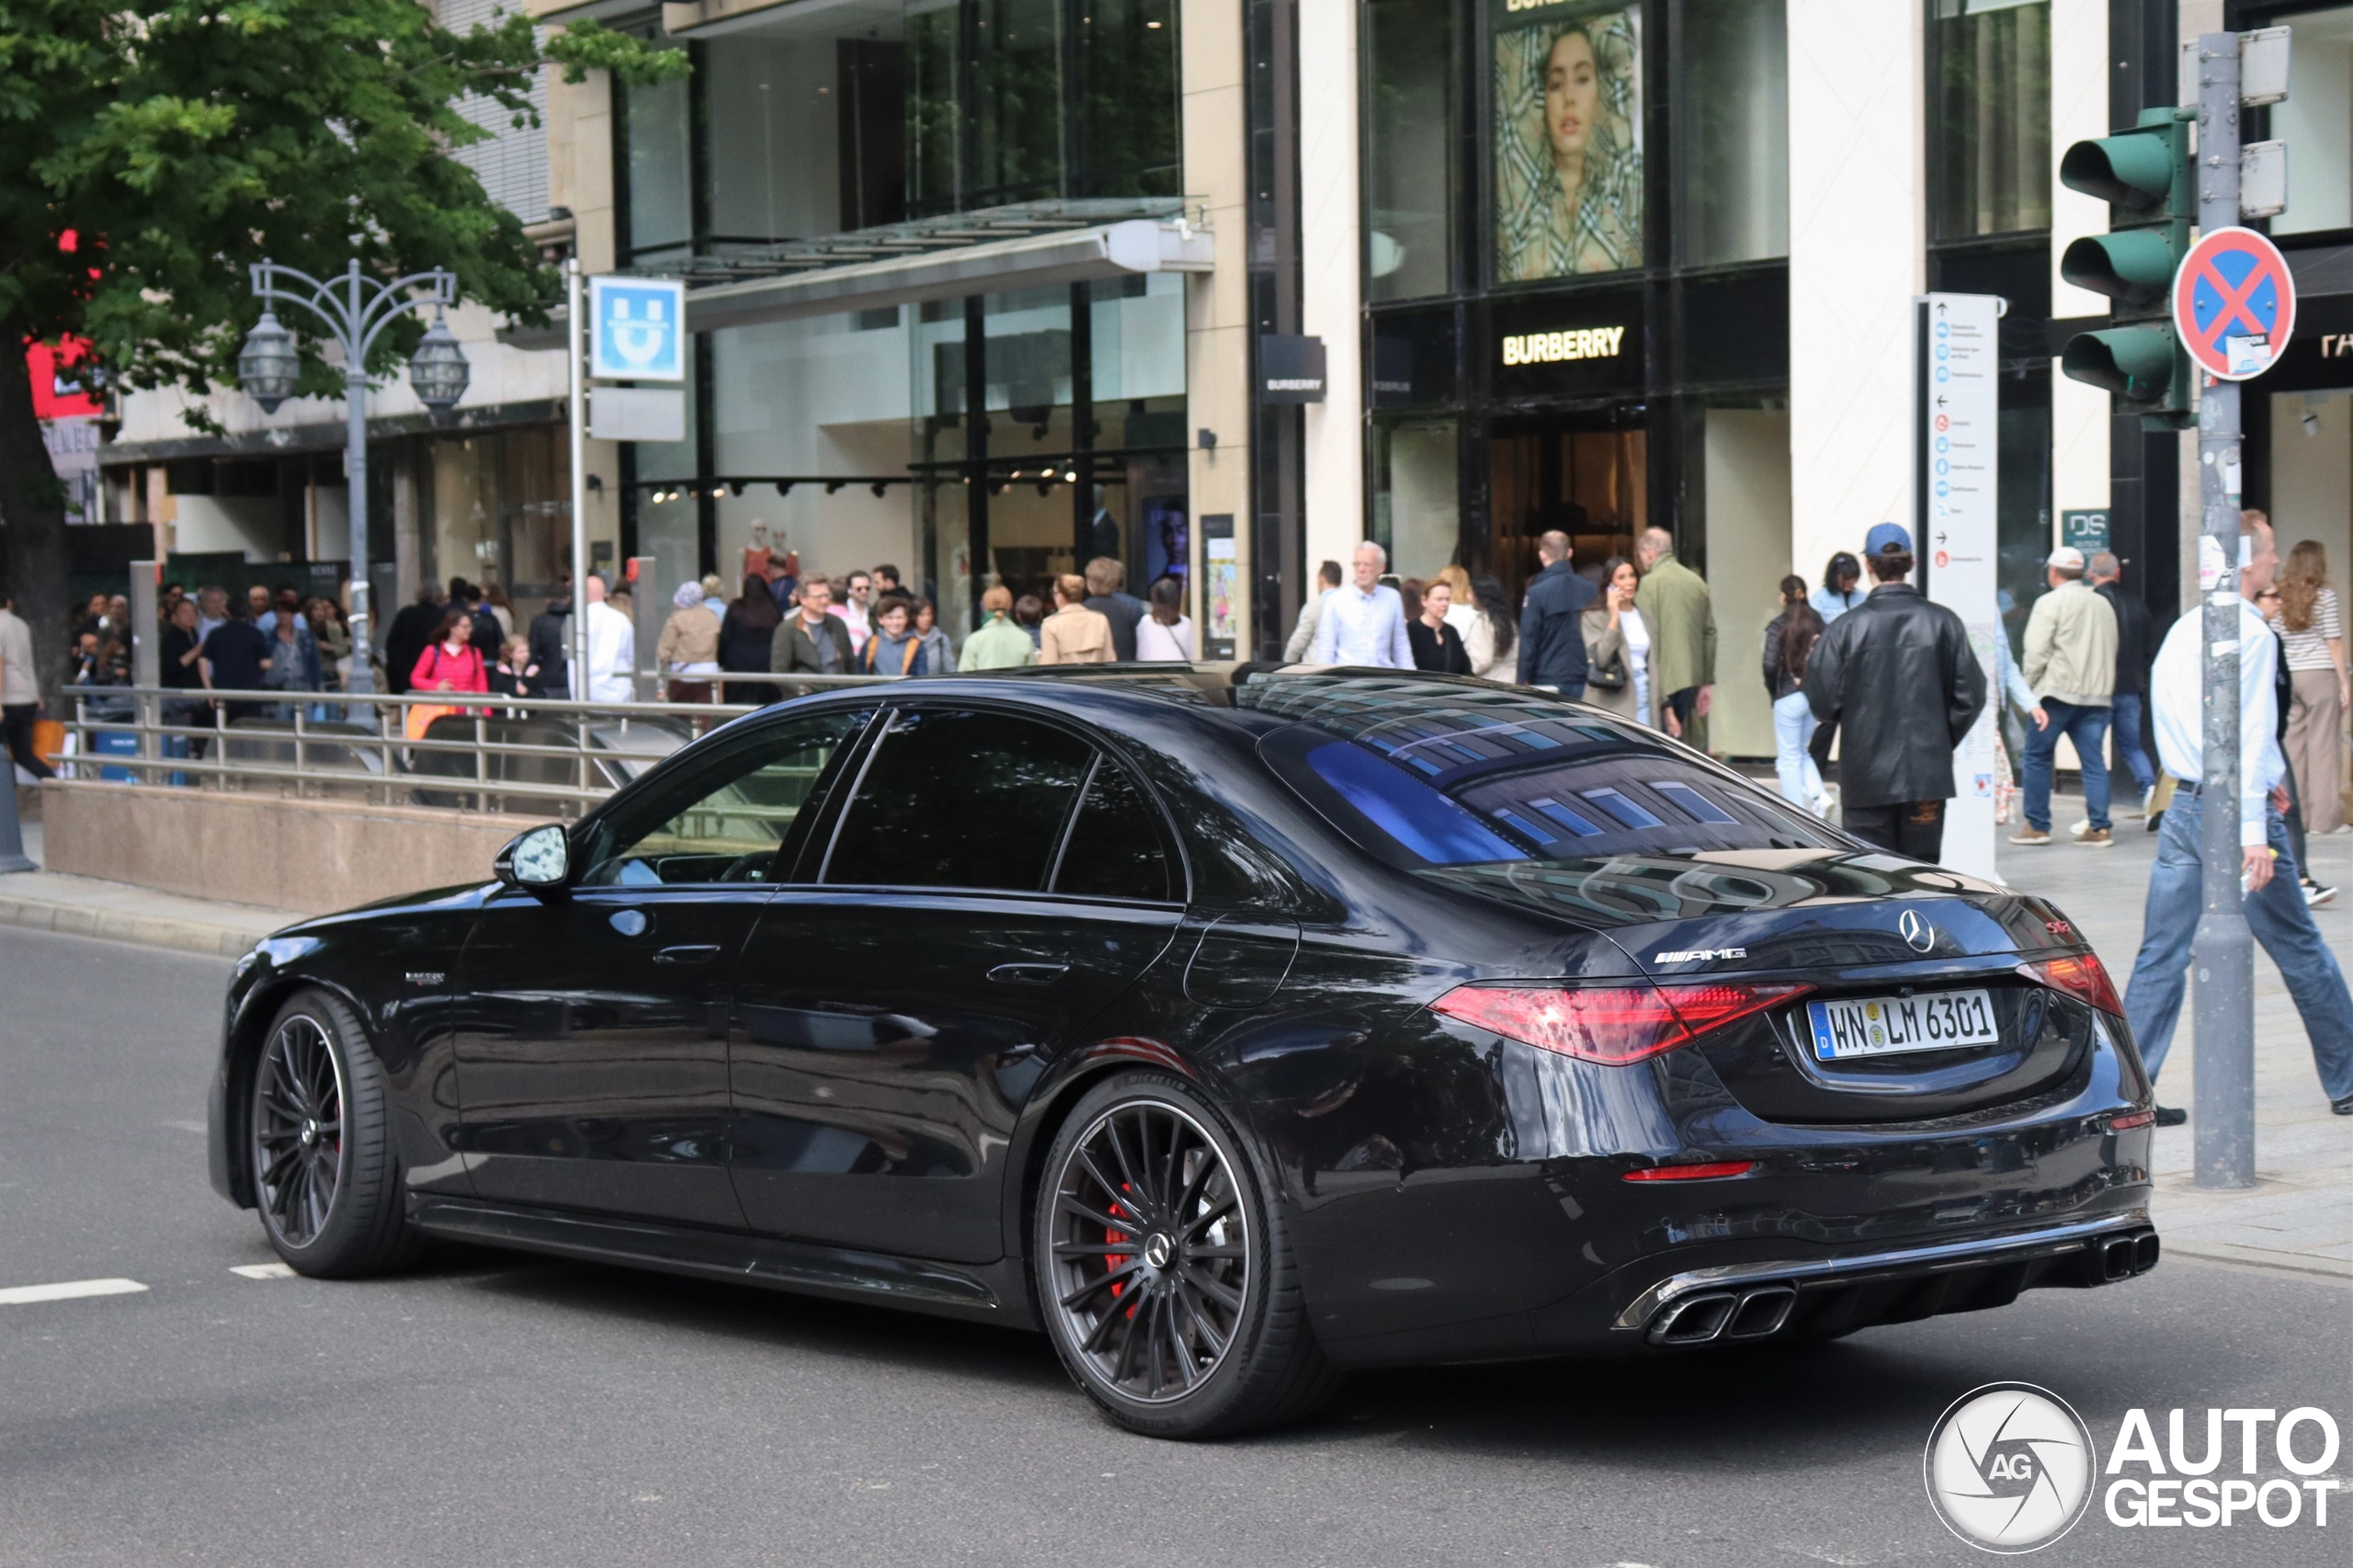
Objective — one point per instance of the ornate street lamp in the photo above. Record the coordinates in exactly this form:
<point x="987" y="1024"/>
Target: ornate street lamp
<point x="438" y="370"/>
<point x="355" y="310"/>
<point x="269" y="365"/>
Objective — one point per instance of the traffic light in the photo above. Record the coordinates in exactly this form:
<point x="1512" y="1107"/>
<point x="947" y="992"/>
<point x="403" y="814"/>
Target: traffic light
<point x="2145" y="175"/>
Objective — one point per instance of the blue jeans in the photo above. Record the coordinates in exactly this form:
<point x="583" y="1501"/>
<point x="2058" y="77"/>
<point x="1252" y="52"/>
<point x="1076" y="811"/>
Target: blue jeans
<point x="2282" y="921"/>
<point x="1792" y="727"/>
<point x="2126" y="732"/>
<point x="2087" y="727"/>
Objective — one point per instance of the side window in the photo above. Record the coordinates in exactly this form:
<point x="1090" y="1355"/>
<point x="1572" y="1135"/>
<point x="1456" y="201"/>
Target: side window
<point x="724" y="821"/>
<point x="1115" y="848"/>
<point x="960" y="799"/>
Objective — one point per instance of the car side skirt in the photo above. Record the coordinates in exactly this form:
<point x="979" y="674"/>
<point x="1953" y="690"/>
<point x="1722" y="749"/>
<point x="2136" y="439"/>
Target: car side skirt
<point x="983" y="1293"/>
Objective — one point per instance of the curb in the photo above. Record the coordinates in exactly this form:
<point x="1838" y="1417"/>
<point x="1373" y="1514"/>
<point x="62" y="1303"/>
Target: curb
<point x="116" y="926"/>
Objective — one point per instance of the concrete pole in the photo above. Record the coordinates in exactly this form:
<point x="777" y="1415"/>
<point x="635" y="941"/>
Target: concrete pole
<point x="645" y="594"/>
<point x="2222" y="957"/>
<point x="146" y="636"/>
<point x="146" y="651"/>
<point x="354" y="474"/>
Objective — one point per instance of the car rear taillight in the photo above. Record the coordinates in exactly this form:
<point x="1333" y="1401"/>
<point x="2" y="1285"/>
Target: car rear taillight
<point x="1718" y="1171"/>
<point x="2084" y="978"/>
<point x="2126" y="1121"/>
<point x="1611" y="1024"/>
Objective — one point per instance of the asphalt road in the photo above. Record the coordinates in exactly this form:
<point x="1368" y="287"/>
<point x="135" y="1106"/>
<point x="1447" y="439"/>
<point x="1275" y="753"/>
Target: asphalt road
<point x="501" y="1409"/>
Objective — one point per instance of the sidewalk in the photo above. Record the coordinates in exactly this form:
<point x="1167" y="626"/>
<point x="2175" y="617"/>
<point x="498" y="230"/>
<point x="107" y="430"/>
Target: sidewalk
<point x="82" y="906"/>
<point x="2300" y="1214"/>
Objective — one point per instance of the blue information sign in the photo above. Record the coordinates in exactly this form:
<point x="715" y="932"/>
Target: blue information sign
<point x="637" y="329"/>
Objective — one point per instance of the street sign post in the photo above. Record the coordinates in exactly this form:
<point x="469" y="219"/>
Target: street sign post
<point x="2233" y="303"/>
<point x="635" y="331"/>
<point x="2226" y="296"/>
<point x="1956" y="449"/>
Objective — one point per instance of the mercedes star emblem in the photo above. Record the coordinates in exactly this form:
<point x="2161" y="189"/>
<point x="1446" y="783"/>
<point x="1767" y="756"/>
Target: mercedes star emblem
<point x="1916" y="931"/>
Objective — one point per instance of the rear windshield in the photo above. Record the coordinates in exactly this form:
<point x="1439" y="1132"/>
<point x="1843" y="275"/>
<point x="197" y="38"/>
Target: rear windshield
<point x="1445" y="775"/>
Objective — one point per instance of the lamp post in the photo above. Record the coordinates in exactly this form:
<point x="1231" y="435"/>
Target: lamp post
<point x="355" y="309"/>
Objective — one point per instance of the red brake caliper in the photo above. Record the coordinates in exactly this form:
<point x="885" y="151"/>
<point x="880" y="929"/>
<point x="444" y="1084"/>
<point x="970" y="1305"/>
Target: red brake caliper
<point x="1114" y="1262"/>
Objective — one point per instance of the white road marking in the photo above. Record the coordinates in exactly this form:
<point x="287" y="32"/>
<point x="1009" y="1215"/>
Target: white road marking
<point x="262" y="1271"/>
<point x="66" y="1291"/>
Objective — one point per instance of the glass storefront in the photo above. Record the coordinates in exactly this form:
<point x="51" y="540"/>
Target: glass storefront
<point x="848" y="438"/>
<point x="2317" y="122"/>
<point x="499" y="510"/>
<point x="1593" y="338"/>
<point x="1990" y="104"/>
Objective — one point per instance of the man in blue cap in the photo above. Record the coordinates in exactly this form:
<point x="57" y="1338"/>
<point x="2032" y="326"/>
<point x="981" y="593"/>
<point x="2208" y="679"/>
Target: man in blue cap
<point x="1897" y="675"/>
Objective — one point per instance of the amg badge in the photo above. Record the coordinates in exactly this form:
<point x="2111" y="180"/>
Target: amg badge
<point x="1700" y="955"/>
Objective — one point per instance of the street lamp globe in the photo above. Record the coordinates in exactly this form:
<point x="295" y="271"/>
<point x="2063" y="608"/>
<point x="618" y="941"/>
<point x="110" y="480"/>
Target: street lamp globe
<point x="269" y="365"/>
<point x="438" y="370"/>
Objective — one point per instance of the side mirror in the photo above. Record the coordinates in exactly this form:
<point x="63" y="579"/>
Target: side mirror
<point x="536" y="860"/>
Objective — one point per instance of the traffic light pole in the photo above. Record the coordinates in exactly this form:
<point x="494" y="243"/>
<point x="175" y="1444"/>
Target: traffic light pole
<point x="2224" y="954"/>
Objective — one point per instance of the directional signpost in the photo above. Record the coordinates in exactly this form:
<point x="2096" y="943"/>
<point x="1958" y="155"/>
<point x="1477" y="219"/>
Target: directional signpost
<point x="1956" y="437"/>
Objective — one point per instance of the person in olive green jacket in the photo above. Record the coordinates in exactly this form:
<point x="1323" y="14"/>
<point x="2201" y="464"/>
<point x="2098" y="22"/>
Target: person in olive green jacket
<point x="998" y="644"/>
<point x="1683" y="618"/>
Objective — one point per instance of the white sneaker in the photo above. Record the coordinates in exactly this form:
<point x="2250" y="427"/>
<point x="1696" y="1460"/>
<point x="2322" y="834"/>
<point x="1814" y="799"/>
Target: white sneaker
<point x="2079" y="828"/>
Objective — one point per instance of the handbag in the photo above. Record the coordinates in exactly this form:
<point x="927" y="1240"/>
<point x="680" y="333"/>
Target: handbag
<point x="1612" y="677"/>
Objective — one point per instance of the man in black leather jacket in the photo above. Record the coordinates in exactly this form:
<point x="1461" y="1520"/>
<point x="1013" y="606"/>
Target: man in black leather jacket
<point x="1552" y="634"/>
<point x="1896" y="674"/>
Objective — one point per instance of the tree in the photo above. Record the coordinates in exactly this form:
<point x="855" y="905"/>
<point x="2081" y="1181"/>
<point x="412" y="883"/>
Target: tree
<point x="150" y="150"/>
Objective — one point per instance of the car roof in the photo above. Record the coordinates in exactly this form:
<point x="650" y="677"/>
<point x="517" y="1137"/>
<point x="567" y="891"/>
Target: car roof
<point x="1351" y="701"/>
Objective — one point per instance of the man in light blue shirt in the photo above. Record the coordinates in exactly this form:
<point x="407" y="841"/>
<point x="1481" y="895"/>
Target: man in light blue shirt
<point x="1363" y="622"/>
<point x="2275" y="906"/>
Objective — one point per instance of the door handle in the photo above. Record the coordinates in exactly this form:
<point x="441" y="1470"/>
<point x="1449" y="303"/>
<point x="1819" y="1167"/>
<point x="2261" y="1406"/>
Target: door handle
<point x="698" y="954"/>
<point x="1029" y="973"/>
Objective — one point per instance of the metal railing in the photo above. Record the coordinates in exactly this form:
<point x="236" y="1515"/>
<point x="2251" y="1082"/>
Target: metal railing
<point x="481" y="751"/>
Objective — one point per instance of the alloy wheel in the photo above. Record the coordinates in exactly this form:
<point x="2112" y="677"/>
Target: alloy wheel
<point x="298" y="1130"/>
<point x="1151" y="1267"/>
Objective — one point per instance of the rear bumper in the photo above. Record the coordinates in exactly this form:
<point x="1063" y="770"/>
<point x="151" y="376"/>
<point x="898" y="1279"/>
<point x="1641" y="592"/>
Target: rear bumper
<point x="1828" y="1296"/>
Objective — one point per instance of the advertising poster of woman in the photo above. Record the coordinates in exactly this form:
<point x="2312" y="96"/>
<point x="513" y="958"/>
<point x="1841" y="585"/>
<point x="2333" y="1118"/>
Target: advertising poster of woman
<point x="1568" y="140"/>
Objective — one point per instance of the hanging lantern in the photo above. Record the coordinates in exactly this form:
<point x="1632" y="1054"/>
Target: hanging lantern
<point x="438" y="370"/>
<point x="269" y="365"/>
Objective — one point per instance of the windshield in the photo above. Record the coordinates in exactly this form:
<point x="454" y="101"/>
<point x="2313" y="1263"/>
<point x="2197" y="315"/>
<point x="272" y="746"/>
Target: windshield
<point x="1423" y="773"/>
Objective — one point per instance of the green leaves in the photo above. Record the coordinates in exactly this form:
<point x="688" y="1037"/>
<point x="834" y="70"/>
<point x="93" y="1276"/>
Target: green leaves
<point x="176" y="141"/>
<point x="588" y="45"/>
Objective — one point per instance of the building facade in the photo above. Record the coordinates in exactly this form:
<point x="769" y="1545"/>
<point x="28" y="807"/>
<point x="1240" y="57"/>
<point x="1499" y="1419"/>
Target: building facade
<point x="984" y="289"/>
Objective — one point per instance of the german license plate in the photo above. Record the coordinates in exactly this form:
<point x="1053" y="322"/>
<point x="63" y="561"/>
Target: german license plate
<point x="1882" y="1025"/>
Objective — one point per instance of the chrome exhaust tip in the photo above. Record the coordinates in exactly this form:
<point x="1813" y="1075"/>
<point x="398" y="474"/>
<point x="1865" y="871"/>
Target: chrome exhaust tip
<point x="1757" y="1312"/>
<point x="2128" y="1256"/>
<point x="1694" y="1320"/>
<point x="1762" y="1311"/>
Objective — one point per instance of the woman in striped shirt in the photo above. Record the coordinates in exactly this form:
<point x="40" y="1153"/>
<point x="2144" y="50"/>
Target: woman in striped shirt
<point x="2312" y="630"/>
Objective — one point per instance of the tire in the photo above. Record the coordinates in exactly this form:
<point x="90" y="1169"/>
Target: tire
<point x="1217" y="1340"/>
<point x="319" y="1140"/>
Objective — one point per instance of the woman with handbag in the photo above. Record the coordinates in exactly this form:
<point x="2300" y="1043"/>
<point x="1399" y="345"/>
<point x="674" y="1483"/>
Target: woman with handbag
<point x="451" y="662"/>
<point x="1789" y="638"/>
<point x="1618" y="640"/>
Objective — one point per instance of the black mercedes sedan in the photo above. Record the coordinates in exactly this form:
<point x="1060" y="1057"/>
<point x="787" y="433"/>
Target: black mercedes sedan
<point x="1233" y="1031"/>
